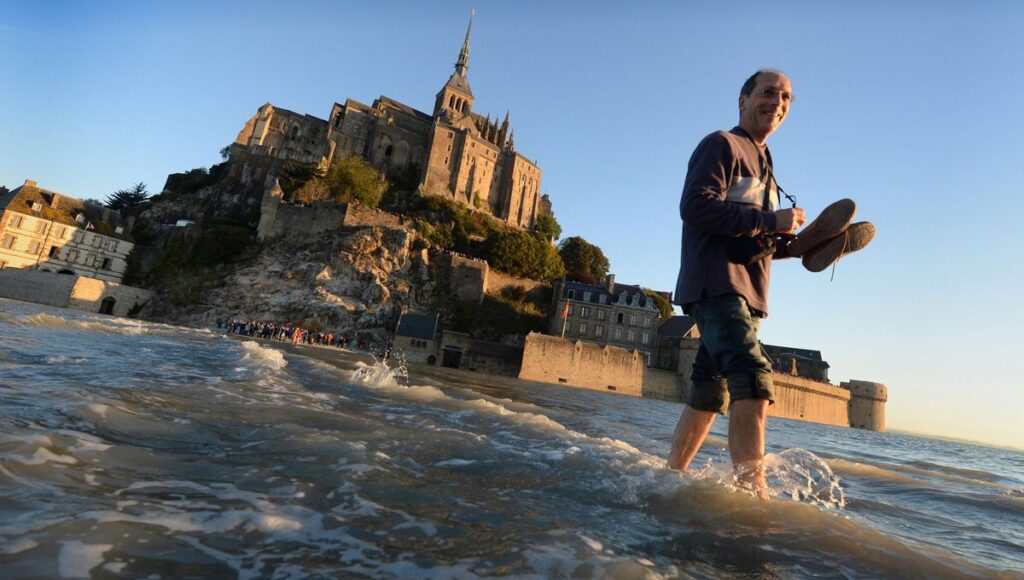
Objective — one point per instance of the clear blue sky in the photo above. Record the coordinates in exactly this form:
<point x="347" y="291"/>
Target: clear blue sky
<point x="911" y="108"/>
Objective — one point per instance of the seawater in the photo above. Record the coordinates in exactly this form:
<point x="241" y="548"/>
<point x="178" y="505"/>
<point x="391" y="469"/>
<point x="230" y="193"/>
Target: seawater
<point x="131" y="449"/>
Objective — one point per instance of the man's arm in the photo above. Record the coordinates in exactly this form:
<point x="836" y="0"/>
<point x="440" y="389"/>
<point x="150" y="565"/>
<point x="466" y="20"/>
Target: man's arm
<point x="703" y="205"/>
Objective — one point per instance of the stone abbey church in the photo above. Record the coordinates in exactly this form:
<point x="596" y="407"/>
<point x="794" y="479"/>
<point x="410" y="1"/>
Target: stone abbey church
<point x="451" y="152"/>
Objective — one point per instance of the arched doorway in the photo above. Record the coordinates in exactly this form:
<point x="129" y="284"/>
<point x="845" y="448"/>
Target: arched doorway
<point x="107" y="306"/>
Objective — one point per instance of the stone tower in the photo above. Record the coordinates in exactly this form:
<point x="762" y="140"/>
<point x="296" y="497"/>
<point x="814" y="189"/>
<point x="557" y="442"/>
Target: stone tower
<point x="867" y="404"/>
<point x="455" y="99"/>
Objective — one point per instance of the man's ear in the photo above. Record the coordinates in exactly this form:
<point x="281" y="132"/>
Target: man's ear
<point x="742" y="102"/>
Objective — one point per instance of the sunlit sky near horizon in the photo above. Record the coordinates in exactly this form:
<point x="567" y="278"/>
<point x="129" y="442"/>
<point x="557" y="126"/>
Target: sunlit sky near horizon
<point x="913" y="109"/>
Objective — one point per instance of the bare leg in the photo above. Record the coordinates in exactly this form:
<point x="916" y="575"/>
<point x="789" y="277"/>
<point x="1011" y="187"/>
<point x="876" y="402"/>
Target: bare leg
<point x="692" y="428"/>
<point x="747" y="419"/>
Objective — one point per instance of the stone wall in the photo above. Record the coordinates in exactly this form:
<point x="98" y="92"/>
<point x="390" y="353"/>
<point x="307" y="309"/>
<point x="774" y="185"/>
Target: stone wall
<point x="808" y="400"/>
<point x="36" y="286"/>
<point x="467" y="277"/>
<point x="550" y="359"/>
<point x="359" y="215"/>
<point x="65" y="291"/>
<point x="497" y="280"/>
<point x="664" y="385"/>
<point x="298" y="220"/>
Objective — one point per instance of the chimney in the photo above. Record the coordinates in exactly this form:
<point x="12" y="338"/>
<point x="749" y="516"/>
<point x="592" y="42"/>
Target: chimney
<point x="54" y="199"/>
<point x="30" y="183"/>
<point x="609" y="282"/>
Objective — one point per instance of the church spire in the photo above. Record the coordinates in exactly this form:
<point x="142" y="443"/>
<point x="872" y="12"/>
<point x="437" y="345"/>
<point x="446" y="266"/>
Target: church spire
<point x="463" y="63"/>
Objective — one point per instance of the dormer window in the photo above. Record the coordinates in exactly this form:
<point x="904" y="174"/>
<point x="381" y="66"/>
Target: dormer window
<point x="80" y="218"/>
<point x="36" y="206"/>
<point x="119" y="230"/>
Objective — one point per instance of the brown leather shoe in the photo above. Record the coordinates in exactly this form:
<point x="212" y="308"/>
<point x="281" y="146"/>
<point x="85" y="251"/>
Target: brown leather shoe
<point x="852" y="239"/>
<point x="833" y="220"/>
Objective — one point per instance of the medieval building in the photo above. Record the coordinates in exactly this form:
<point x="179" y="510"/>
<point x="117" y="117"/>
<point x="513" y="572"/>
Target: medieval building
<point x="606" y="314"/>
<point x="451" y="152"/>
<point x="44" y="230"/>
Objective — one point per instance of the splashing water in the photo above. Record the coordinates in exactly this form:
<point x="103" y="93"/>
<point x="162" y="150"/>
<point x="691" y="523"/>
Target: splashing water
<point x="379" y="373"/>
<point x="803" y="476"/>
<point x="795" y="473"/>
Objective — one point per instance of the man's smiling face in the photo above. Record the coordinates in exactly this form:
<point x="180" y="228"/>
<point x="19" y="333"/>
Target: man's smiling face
<point x="764" y="110"/>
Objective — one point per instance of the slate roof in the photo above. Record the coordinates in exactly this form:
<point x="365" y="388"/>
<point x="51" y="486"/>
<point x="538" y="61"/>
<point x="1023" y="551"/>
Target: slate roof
<point x="405" y="108"/>
<point x="676" y="326"/>
<point x="422" y="326"/>
<point x="104" y="221"/>
<point x="803" y="353"/>
<point x="459" y="83"/>
<point x="631" y="291"/>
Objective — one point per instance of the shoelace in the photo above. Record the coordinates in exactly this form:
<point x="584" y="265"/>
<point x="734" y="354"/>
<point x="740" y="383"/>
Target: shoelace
<point x="846" y="244"/>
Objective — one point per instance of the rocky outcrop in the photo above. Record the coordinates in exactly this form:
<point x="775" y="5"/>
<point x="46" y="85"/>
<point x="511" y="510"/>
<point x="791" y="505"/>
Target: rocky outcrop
<point x="353" y="281"/>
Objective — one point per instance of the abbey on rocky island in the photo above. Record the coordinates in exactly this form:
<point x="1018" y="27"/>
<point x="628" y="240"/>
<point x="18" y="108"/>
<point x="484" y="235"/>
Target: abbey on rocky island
<point x="452" y="152"/>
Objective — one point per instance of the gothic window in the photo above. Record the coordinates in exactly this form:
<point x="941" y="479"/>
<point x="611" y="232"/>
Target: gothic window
<point x="451" y="102"/>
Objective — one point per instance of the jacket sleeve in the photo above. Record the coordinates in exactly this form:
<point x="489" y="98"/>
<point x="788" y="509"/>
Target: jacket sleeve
<point x="703" y="204"/>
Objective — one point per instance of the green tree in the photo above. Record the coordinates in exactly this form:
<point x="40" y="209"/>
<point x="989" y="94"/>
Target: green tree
<point x="353" y="178"/>
<point x="664" y="308"/>
<point x="583" y="258"/>
<point x="522" y="254"/>
<point x="125" y="199"/>
<point x="548" y="226"/>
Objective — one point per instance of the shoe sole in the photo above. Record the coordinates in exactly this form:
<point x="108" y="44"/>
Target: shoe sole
<point x="833" y="220"/>
<point x="854" y="238"/>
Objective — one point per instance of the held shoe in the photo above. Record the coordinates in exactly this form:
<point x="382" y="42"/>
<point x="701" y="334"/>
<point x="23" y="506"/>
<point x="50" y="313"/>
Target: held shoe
<point x="852" y="239"/>
<point x="833" y="220"/>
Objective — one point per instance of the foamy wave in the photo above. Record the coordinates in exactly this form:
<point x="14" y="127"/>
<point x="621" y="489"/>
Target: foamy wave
<point x="65" y="360"/>
<point x="77" y="559"/>
<point x="112" y="325"/>
<point x="262" y="357"/>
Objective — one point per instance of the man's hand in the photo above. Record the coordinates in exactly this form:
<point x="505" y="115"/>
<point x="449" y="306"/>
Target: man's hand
<point x="788" y="221"/>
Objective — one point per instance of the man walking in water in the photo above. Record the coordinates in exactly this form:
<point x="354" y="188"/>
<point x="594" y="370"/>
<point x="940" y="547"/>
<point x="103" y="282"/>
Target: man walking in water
<point x="730" y="211"/>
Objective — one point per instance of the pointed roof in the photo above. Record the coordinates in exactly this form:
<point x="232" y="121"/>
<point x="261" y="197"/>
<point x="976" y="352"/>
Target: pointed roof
<point x="458" y="81"/>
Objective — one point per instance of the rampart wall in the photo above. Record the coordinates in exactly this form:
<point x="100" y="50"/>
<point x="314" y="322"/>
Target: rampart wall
<point x="808" y="400"/>
<point x="664" y="385"/>
<point x="497" y="280"/>
<point x="64" y="291"/>
<point x="467" y="277"/>
<point x="550" y="359"/>
<point x="359" y="215"/>
<point x="298" y="220"/>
